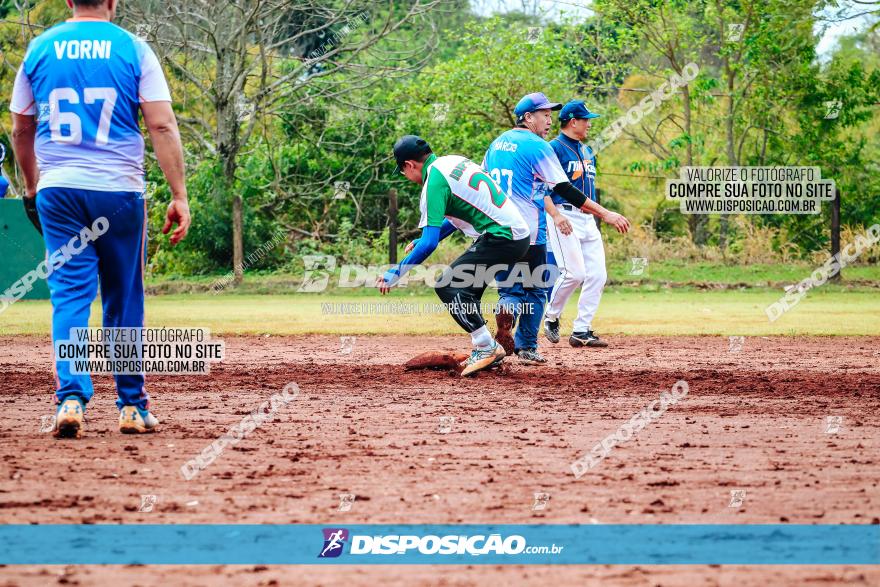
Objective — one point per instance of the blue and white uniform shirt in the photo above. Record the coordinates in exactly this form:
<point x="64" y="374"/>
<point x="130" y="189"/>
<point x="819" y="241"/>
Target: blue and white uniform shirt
<point x="526" y="168"/>
<point x="84" y="80"/>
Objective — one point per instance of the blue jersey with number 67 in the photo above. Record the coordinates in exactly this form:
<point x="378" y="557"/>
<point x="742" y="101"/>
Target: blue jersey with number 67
<point x="83" y="80"/>
<point x="526" y="168"/>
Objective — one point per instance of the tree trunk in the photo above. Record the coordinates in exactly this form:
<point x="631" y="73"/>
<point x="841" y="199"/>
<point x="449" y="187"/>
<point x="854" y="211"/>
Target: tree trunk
<point x="229" y="152"/>
<point x="835" y="229"/>
<point x="392" y="226"/>
<point x="228" y="145"/>
<point x="237" y="240"/>
<point x="730" y="138"/>
<point x="731" y="152"/>
<point x="696" y="222"/>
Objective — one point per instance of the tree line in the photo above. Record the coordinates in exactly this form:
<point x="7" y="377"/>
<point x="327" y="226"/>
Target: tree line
<point x="288" y="109"/>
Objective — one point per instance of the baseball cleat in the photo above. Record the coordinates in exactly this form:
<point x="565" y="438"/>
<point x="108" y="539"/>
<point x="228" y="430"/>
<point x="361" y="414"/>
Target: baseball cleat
<point x="133" y="420"/>
<point x="496" y="363"/>
<point x="504" y="321"/>
<point x="530" y="357"/>
<point x="551" y="330"/>
<point x="483" y="359"/>
<point x="588" y="338"/>
<point x="69" y="419"/>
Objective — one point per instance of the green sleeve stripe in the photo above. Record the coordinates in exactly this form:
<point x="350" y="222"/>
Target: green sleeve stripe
<point x="438" y="196"/>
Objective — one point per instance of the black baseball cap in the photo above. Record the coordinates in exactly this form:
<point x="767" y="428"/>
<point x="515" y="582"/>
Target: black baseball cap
<point x="409" y="148"/>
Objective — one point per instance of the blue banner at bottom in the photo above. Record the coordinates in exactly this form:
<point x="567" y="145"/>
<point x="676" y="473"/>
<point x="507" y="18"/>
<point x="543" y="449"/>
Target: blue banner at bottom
<point x="165" y="544"/>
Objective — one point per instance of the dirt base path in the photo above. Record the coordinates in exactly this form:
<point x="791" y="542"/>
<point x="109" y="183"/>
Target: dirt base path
<point x="794" y="423"/>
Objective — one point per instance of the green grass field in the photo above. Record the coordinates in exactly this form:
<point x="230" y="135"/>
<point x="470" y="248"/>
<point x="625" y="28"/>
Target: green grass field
<point x="668" y="272"/>
<point x="830" y="310"/>
<point x="755" y="275"/>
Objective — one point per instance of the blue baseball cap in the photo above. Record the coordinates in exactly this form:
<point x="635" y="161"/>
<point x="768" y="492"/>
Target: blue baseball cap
<point x="576" y="109"/>
<point x="533" y="102"/>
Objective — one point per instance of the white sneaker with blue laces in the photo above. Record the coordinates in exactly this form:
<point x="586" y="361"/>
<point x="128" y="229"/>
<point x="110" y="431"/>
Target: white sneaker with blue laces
<point x="483" y="358"/>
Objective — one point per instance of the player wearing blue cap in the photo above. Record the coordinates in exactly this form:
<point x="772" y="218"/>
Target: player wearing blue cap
<point x="579" y="253"/>
<point x="524" y="164"/>
<point x="76" y="103"/>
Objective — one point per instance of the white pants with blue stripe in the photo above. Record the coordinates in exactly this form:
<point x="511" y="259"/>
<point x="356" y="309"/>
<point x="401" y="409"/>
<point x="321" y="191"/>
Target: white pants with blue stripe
<point x="580" y="257"/>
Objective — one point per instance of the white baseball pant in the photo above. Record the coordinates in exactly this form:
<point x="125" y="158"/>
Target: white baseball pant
<point x="580" y="257"/>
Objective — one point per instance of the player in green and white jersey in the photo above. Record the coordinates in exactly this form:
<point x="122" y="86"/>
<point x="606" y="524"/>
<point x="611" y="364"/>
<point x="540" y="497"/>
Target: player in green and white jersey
<point x="458" y="194"/>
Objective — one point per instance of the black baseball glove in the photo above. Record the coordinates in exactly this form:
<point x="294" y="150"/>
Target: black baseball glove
<point x="30" y="208"/>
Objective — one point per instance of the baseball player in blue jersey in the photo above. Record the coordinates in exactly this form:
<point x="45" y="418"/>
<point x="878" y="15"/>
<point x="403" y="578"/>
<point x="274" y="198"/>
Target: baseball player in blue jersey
<point x="75" y="105"/>
<point x="579" y="254"/>
<point x="524" y="164"/>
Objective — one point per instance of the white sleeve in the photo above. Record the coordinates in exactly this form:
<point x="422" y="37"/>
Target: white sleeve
<point x="153" y="87"/>
<point x="547" y="167"/>
<point x="22" y="95"/>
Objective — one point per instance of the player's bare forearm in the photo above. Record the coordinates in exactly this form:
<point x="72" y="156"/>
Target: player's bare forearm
<point x="24" y="130"/>
<point x="618" y="221"/>
<point x="591" y="207"/>
<point x="162" y="126"/>
<point x="550" y="208"/>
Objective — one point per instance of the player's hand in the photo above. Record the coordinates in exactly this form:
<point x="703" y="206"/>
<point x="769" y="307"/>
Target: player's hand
<point x="384" y="286"/>
<point x="178" y="213"/>
<point x="410" y="246"/>
<point x="563" y="224"/>
<point x="616" y="220"/>
<point x="387" y="281"/>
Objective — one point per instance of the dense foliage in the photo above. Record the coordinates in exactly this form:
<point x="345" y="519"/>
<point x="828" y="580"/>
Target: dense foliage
<point x="316" y="164"/>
